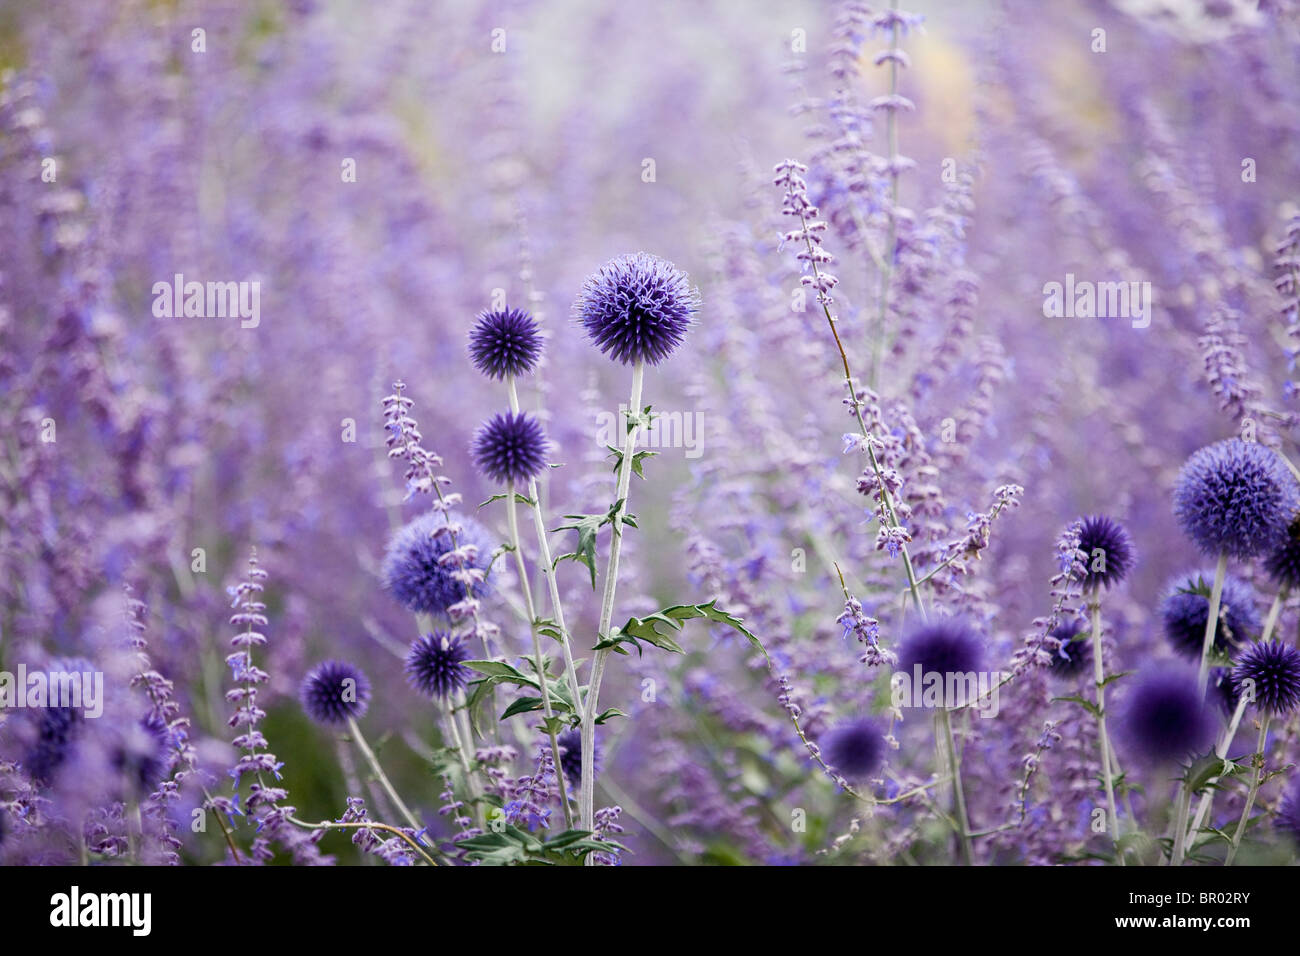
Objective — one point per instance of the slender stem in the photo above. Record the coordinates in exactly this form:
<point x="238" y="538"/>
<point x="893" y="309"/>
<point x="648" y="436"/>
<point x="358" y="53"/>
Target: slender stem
<point x="1211" y="623"/>
<point x="382" y="777"/>
<point x="1273" y="613"/>
<point x="1099" y="675"/>
<point x="943" y="733"/>
<point x="366" y="825"/>
<point x="886" y="499"/>
<point x="458" y="742"/>
<point x="587" y="800"/>
<point x="539" y="661"/>
<point x="1207" y="798"/>
<point x="1254" y="789"/>
<point x="546" y="566"/>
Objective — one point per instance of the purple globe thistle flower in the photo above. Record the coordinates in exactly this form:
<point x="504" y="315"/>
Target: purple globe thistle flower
<point x="1109" y="550"/>
<point x="947" y="646"/>
<point x="510" y="447"/>
<point x="637" y="308"/>
<point x="1283" y="564"/>
<point x="57" y="728"/>
<point x="570" y="744"/>
<point x="334" y="691"/>
<point x="1074" y="653"/>
<point x="1187" y="605"/>
<point x="1165" y="719"/>
<point x="56" y="732"/>
<point x="1274" y="670"/>
<point x="505" y="343"/>
<point x="1236" y="497"/>
<point x="1288" y="814"/>
<point x="435" y="665"/>
<point x="855" y="749"/>
<point x="413" y="570"/>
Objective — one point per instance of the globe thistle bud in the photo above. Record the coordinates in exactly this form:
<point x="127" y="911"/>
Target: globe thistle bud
<point x="414" y="572"/>
<point x="435" y="665"/>
<point x="1187" y="606"/>
<point x="947" y="646"/>
<point x="1272" y="669"/>
<point x="510" y="447"/>
<point x="57" y="728"/>
<point x="1165" y="719"/>
<point x="335" y="691"/>
<point x="1073" y="653"/>
<point x="1236" y="497"/>
<point x="855" y="749"/>
<point x="1109" y="551"/>
<point x="637" y="308"/>
<point x="505" y="343"/>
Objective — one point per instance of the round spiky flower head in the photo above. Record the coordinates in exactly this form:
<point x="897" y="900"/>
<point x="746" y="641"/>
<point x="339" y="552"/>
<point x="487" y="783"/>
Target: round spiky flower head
<point x="505" y="343"/>
<point x="947" y="646"/>
<point x="413" y="571"/>
<point x="854" y="749"/>
<point x="1288" y="814"/>
<point x="570" y="744"/>
<point x="435" y="665"/>
<point x="510" y="447"/>
<point x="1273" y="668"/>
<point x="1283" y="563"/>
<point x="1165" y="719"/>
<point x="637" y="308"/>
<point x="334" y="691"/>
<point x="57" y="728"/>
<point x="1236" y="497"/>
<point x="1187" y="605"/>
<point x="1109" y="550"/>
<point x="1073" y="655"/>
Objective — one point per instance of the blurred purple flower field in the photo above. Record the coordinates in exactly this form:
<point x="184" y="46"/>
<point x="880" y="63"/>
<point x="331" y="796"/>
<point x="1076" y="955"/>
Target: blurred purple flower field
<point x="674" y="433"/>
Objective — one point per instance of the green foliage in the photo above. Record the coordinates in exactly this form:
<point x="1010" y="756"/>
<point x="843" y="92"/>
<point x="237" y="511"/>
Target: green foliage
<point x="672" y="619"/>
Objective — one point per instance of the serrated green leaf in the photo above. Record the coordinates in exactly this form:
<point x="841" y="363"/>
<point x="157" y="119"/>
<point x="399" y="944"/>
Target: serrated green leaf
<point x="608" y="714"/>
<point x="673" y="619"/>
<point x="1083" y="702"/>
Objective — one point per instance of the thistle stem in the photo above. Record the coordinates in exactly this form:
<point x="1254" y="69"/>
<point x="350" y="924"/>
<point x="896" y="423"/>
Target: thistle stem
<point x="943" y="734"/>
<point x="1211" y="623"/>
<point x="539" y="662"/>
<point x="1254" y="789"/>
<point x="587" y="800"/>
<point x="1207" y="798"/>
<point x="1099" y="676"/>
<point x="546" y="566"/>
<point x="1274" y="612"/>
<point x="355" y="729"/>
